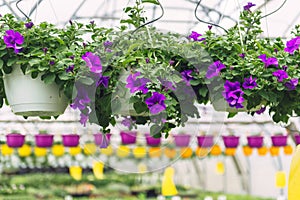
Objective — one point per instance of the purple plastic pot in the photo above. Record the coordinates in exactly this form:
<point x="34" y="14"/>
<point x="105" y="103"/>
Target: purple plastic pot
<point x="15" y="140"/>
<point x="297" y="139"/>
<point x="182" y="140"/>
<point x="231" y="141"/>
<point x="128" y="137"/>
<point x="279" y="140"/>
<point x="151" y="141"/>
<point x="99" y="136"/>
<point x="205" y="140"/>
<point x="44" y="140"/>
<point x="255" y="141"/>
<point x="70" y="140"/>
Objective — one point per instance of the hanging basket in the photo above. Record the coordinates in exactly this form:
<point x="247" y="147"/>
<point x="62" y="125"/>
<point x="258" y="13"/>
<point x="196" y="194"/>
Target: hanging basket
<point x="98" y="137"/>
<point x="255" y="141"/>
<point x="231" y="141"/>
<point x="182" y="140"/>
<point x="70" y="140"/>
<point x="32" y="97"/>
<point x="205" y="141"/>
<point x="151" y="141"/>
<point x="279" y="140"/>
<point x="128" y="137"/>
<point x="44" y="140"/>
<point x="297" y="139"/>
<point x="15" y="140"/>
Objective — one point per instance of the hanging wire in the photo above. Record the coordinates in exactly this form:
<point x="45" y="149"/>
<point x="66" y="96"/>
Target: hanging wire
<point x="209" y="23"/>
<point x="271" y="13"/>
<point x="17" y="5"/>
<point x="154" y="20"/>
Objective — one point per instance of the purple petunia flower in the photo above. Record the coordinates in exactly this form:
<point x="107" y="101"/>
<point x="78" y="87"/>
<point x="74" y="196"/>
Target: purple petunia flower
<point x="233" y="94"/>
<point x="280" y="74"/>
<point x="107" y="43"/>
<point x="171" y="62"/>
<point x="261" y="110"/>
<point x="187" y="77"/>
<point x="156" y="103"/>
<point x="214" y="69"/>
<point x="29" y="25"/>
<point x="194" y="35"/>
<point x="12" y="39"/>
<point x="209" y="27"/>
<point x="92" y="22"/>
<point x="292" y="45"/>
<point x="93" y="62"/>
<point x="104" y="142"/>
<point x="248" y="6"/>
<point x="126" y="122"/>
<point x="83" y="119"/>
<point x="70" y="69"/>
<point x="284" y="67"/>
<point x="72" y="57"/>
<point x="268" y="61"/>
<point x="147" y="60"/>
<point x="104" y="81"/>
<point x="51" y="62"/>
<point x="137" y="84"/>
<point x="291" y="85"/>
<point x="242" y="55"/>
<point x="81" y="100"/>
<point x="168" y="85"/>
<point x="45" y="50"/>
<point x="249" y="83"/>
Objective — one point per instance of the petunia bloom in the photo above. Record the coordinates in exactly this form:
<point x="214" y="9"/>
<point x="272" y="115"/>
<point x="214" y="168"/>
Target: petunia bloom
<point x="268" y="61"/>
<point x="233" y="94"/>
<point x="137" y="84"/>
<point x="249" y="83"/>
<point x="195" y="36"/>
<point x="70" y="69"/>
<point x="12" y="39"/>
<point x="126" y="122"/>
<point x="187" y="77"/>
<point x="280" y="74"/>
<point x="168" y="85"/>
<point x="214" y="69"/>
<point x="292" y="45"/>
<point x="261" y="110"/>
<point x="29" y="25"/>
<point x="93" y="62"/>
<point x="242" y="55"/>
<point x="156" y="103"/>
<point x="83" y="119"/>
<point x="107" y="43"/>
<point x="104" y="81"/>
<point x="248" y="6"/>
<point x="81" y="100"/>
<point x="291" y="85"/>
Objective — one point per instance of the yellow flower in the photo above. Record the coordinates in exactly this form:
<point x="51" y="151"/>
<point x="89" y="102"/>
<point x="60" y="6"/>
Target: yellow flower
<point x="39" y="151"/>
<point x="74" y="150"/>
<point x="24" y="151"/>
<point x="123" y="151"/>
<point x="75" y="172"/>
<point x="139" y="152"/>
<point x="6" y="150"/>
<point x="58" y="150"/>
<point x="107" y="151"/>
<point x="89" y="149"/>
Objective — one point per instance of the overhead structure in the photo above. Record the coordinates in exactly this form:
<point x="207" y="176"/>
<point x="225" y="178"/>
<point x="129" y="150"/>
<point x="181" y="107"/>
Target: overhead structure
<point x="179" y="15"/>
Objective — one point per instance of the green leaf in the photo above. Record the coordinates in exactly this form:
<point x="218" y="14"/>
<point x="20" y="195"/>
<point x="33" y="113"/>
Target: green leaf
<point x="87" y="81"/>
<point x="48" y="78"/>
<point x="1" y="63"/>
<point x="34" y="62"/>
<point x="150" y="1"/>
<point x="140" y="107"/>
<point x="155" y="129"/>
<point x="203" y="91"/>
<point x="11" y="61"/>
<point x="231" y="114"/>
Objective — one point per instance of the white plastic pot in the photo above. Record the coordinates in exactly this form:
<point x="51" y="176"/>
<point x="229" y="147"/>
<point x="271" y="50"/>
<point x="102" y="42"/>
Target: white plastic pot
<point x="32" y="97"/>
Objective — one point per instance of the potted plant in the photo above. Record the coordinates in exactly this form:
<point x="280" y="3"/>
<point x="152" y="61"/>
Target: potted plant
<point x="43" y="139"/>
<point x="279" y="140"/>
<point x="251" y="73"/>
<point x="37" y="57"/>
<point x="231" y="141"/>
<point x="15" y="139"/>
<point x="205" y="141"/>
<point x="102" y="140"/>
<point x="70" y="140"/>
<point x="128" y="137"/>
<point x="152" y="140"/>
<point x="297" y="138"/>
<point x="182" y="140"/>
<point x="255" y="141"/>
